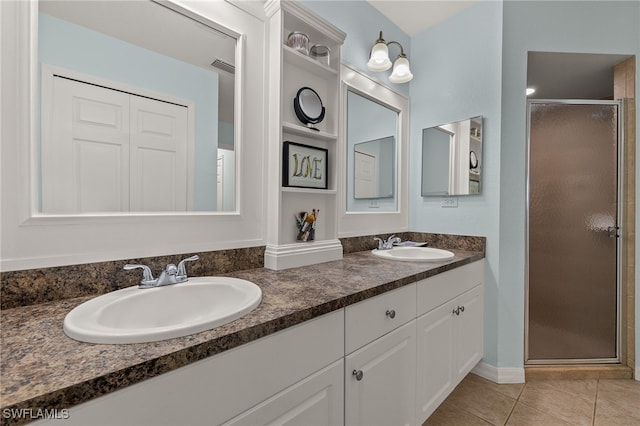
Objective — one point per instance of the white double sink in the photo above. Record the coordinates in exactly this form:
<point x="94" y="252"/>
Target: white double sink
<point x="134" y="315"/>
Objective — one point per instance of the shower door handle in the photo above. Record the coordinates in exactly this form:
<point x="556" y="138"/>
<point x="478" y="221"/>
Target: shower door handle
<point x="613" y="231"/>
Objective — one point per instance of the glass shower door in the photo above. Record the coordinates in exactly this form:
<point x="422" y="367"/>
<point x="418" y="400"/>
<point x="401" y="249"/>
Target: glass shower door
<point x="572" y="235"/>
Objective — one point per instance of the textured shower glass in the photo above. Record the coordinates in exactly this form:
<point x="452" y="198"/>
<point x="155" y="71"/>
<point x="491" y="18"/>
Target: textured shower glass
<point x="572" y="257"/>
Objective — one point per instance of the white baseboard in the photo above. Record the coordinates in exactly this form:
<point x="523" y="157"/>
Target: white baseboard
<point x="301" y="254"/>
<point x="499" y="374"/>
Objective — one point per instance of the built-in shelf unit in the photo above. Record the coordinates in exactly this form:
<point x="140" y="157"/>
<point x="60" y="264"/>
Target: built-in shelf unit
<point x="290" y="70"/>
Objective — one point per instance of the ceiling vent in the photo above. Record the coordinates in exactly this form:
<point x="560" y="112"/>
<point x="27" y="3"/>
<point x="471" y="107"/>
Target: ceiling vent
<point x="224" y="66"/>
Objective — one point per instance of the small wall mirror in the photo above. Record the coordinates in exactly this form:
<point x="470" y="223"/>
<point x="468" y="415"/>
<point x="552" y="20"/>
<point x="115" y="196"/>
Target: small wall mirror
<point x="308" y="107"/>
<point x="137" y="110"/>
<point x="371" y="154"/>
<point x="452" y="158"/>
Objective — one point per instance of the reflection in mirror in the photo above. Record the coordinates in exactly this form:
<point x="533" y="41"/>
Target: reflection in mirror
<point x="136" y="108"/>
<point x="374" y="168"/>
<point x="371" y="154"/>
<point x="452" y="158"/>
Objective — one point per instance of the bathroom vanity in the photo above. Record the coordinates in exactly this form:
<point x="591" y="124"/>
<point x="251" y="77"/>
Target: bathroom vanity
<point x="362" y="340"/>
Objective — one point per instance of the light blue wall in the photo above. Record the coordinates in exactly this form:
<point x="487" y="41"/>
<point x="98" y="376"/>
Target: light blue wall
<point x="457" y="75"/>
<point x="572" y="26"/>
<point x="76" y="48"/>
<point x="363" y="23"/>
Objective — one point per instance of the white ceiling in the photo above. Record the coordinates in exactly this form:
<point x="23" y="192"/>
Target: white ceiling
<point x="415" y="16"/>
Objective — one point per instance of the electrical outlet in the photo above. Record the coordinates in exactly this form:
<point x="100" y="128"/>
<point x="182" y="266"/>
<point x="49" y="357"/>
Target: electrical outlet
<point x="449" y="202"/>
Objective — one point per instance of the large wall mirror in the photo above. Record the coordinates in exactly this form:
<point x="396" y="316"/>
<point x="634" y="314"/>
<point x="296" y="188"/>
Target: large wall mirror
<point x="33" y="238"/>
<point x="372" y="129"/>
<point x="373" y="162"/>
<point x="452" y="158"/>
<point x="137" y="110"/>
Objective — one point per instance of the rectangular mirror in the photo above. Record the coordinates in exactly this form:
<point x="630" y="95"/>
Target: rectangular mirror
<point x="371" y="154"/>
<point x="452" y="158"/>
<point x="136" y="111"/>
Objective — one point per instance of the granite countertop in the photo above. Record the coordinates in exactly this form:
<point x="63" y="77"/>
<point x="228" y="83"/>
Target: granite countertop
<point x="42" y="368"/>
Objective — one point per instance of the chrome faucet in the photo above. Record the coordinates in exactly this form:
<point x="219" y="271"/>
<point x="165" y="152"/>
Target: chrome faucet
<point x="388" y="244"/>
<point x="172" y="274"/>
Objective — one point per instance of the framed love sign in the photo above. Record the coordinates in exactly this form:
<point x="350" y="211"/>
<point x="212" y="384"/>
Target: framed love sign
<point x="304" y="166"/>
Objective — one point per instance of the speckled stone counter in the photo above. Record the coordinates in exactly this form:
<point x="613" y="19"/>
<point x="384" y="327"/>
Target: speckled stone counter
<point x="44" y="369"/>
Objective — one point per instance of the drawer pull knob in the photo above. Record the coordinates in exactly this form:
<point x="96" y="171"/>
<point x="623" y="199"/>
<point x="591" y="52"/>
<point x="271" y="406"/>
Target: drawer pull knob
<point x="458" y="310"/>
<point x="358" y="373"/>
<point x="391" y="314"/>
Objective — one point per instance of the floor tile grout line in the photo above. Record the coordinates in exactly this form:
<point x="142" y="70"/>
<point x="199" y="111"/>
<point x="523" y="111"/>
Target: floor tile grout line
<point x="517" y="400"/>
<point x="595" y="403"/>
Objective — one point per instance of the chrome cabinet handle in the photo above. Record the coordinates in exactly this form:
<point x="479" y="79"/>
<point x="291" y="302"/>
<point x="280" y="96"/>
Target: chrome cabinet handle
<point x="391" y="314"/>
<point x="358" y="373"/>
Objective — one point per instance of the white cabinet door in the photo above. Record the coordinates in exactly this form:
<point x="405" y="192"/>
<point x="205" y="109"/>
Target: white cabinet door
<point x="469" y="330"/>
<point x="435" y="360"/>
<point x="380" y="380"/>
<point x="450" y="344"/>
<point x="316" y="400"/>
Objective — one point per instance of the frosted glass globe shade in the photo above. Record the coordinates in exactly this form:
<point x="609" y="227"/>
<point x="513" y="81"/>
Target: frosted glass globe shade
<point x="401" y="71"/>
<point x="379" y="59"/>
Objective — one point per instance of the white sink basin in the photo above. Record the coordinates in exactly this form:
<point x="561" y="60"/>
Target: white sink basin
<point x="134" y="315"/>
<point x="413" y="254"/>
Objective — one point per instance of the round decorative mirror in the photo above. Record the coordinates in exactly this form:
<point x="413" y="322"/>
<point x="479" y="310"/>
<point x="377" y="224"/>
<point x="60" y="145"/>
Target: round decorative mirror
<point x="308" y="107"/>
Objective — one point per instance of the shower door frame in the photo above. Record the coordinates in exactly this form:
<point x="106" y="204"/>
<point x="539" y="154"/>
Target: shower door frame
<point x="619" y="240"/>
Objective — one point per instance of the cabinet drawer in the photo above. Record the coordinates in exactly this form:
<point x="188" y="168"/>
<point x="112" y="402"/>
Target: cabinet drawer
<point x="367" y="320"/>
<point x="436" y="290"/>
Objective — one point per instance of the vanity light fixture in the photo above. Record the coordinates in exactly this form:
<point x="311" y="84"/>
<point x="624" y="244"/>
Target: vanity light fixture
<point x="379" y="61"/>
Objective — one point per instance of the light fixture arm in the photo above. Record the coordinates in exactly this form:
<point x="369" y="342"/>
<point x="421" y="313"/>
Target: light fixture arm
<point x="401" y="49"/>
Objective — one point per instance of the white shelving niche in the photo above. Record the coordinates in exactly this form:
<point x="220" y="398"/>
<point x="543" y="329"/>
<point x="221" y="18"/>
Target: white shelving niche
<point x="289" y="71"/>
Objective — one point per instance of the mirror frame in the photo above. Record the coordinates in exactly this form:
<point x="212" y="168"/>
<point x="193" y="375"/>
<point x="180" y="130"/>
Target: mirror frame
<point x="32" y="240"/>
<point x="355" y="223"/>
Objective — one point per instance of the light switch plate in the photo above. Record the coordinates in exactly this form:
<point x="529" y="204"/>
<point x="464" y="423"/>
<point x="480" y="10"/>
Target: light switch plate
<point x="449" y="202"/>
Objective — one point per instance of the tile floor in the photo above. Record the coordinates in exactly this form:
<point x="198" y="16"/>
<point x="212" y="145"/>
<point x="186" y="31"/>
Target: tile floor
<point x="600" y="402"/>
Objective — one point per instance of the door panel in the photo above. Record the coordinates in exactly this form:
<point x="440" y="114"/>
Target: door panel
<point x="572" y="206"/>
<point x="159" y="155"/>
<point x="85" y="153"/>
<point x="365" y="179"/>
